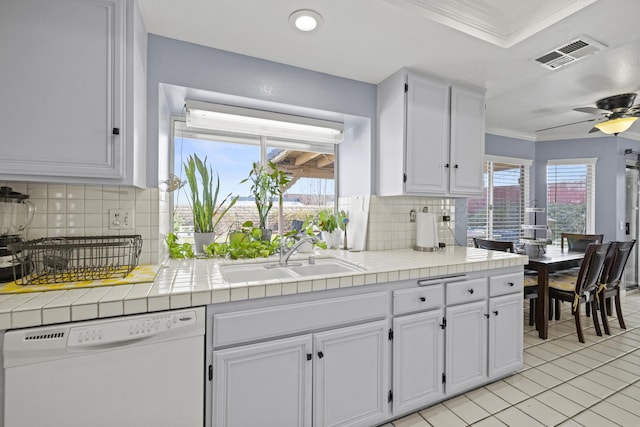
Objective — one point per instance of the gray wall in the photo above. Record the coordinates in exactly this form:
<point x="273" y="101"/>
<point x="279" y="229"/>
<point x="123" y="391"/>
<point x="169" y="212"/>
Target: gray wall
<point x="185" y="69"/>
<point x="610" y="176"/>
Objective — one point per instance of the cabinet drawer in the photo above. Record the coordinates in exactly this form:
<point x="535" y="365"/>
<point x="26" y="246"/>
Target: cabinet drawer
<point x="418" y="299"/>
<point x="269" y="322"/>
<point x="506" y="284"/>
<point x="467" y="291"/>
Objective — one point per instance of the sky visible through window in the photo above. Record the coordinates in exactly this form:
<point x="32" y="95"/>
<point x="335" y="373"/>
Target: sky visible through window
<point x="232" y="162"/>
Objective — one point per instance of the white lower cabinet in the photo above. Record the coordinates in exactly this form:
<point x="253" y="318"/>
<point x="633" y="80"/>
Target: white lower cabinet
<point x="433" y="341"/>
<point x="505" y="335"/>
<point x="264" y="384"/>
<point x="350" y="376"/>
<point x="418" y="360"/>
<point x="466" y="346"/>
<point x="272" y="384"/>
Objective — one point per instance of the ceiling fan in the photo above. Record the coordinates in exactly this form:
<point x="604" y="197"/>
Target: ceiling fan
<point x="617" y="114"/>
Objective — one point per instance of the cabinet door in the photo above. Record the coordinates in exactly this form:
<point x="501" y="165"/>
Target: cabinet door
<point x="418" y="360"/>
<point x="427" y="144"/>
<point x="267" y="384"/>
<point x="62" y="65"/>
<point x="505" y="335"/>
<point x="466" y="346"/>
<point x="350" y="376"/>
<point x="467" y="141"/>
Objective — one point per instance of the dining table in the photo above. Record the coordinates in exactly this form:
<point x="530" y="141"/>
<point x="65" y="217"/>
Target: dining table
<point x="547" y="261"/>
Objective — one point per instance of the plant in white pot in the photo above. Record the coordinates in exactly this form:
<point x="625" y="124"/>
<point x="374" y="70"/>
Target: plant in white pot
<point x="267" y="184"/>
<point x="331" y="224"/>
<point x="206" y="210"/>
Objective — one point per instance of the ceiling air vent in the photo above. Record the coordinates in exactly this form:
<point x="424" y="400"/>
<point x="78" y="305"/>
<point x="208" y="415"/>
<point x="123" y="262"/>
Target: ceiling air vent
<point x="569" y="53"/>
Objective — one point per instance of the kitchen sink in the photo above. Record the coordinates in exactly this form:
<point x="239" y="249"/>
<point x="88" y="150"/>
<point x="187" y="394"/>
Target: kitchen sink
<point x="250" y="272"/>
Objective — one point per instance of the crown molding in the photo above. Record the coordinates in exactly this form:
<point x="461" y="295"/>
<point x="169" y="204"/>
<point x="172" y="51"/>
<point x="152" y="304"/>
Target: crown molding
<point x="511" y="134"/>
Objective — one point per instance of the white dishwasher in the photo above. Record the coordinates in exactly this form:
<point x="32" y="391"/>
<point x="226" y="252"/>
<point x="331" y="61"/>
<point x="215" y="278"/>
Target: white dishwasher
<point x="141" y="370"/>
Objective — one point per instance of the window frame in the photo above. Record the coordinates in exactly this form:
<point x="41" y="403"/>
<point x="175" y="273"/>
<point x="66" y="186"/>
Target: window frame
<point x="590" y="184"/>
<point x="263" y="143"/>
<point x="523" y="163"/>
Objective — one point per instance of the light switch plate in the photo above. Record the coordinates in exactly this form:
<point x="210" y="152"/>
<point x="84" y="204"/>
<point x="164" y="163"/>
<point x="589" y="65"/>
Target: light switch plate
<point x="120" y="219"/>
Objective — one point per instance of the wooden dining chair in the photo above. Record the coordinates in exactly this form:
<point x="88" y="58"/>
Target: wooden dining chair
<point x="530" y="279"/>
<point x="576" y="242"/>
<point x="494" y="245"/>
<point x="614" y="266"/>
<point x="584" y="289"/>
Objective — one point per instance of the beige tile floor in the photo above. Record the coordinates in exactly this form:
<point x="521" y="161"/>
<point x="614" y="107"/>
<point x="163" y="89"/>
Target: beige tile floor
<point x="562" y="383"/>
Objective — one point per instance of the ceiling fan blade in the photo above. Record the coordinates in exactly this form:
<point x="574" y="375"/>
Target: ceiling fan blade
<point x="633" y="111"/>
<point x="591" y="110"/>
<point x="567" y="124"/>
<point x="594" y="129"/>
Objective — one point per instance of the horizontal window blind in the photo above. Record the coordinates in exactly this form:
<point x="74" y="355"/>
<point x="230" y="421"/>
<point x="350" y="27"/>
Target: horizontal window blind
<point x="499" y="214"/>
<point x="570" y="197"/>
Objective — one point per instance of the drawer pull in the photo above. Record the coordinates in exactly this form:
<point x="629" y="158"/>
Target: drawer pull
<point x="511" y="284"/>
<point x="495" y="312"/>
<point x="471" y="291"/>
<point x="423" y="299"/>
<point x="320" y="354"/>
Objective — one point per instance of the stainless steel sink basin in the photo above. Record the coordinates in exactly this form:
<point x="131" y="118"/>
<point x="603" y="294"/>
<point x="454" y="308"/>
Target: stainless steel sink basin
<point x="251" y="272"/>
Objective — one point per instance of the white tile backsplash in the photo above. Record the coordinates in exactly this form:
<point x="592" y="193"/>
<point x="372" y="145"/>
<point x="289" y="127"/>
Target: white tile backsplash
<point x="389" y="225"/>
<point x="82" y="210"/>
<point x="65" y="210"/>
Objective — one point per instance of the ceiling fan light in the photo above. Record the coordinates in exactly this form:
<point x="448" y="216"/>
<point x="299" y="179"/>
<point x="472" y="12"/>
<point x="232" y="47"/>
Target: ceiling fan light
<point x="616" y="125"/>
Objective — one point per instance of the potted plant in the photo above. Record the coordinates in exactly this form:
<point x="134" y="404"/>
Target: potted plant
<point x="245" y="242"/>
<point x="206" y="210"/>
<point x="331" y="224"/>
<point x="266" y="185"/>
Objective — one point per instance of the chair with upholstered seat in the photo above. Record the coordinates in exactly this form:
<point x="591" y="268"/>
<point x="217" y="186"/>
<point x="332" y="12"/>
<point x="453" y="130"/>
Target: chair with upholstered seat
<point x="530" y="280"/>
<point x="576" y="242"/>
<point x="615" y="264"/>
<point x="584" y="288"/>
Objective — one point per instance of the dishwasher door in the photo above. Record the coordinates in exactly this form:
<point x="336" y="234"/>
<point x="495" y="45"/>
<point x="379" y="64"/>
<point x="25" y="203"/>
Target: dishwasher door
<point x="143" y="370"/>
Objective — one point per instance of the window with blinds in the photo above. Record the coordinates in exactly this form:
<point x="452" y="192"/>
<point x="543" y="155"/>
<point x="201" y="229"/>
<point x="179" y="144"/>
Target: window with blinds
<point x="499" y="213"/>
<point x="570" y="196"/>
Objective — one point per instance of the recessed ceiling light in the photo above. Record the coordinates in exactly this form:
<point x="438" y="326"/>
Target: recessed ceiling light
<point x="305" y="20"/>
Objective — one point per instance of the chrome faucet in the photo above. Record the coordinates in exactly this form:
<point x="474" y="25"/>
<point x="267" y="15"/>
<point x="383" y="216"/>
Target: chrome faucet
<point x="285" y="253"/>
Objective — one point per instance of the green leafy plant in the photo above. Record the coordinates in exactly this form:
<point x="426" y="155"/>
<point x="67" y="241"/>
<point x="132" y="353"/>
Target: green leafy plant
<point x="178" y="250"/>
<point x="247" y="244"/>
<point x="207" y="212"/>
<point x="266" y="184"/>
<point x="328" y="221"/>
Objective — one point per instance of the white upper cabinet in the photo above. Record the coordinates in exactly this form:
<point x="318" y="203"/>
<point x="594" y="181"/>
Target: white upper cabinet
<point x="467" y="141"/>
<point x="431" y="137"/>
<point x="71" y="83"/>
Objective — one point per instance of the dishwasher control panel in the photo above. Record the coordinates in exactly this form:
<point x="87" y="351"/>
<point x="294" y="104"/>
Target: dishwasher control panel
<point x="127" y="329"/>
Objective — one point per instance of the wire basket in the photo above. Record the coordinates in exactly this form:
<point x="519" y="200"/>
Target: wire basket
<point x="71" y="259"/>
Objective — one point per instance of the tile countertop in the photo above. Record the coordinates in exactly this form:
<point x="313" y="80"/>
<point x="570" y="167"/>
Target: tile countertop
<point x="188" y="283"/>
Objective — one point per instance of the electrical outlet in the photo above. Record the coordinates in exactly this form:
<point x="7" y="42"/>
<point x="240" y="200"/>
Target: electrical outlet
<point x="119" y="219"/>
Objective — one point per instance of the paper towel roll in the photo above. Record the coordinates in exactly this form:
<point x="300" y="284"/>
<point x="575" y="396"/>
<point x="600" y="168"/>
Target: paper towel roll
<point x="427" y="230"/>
